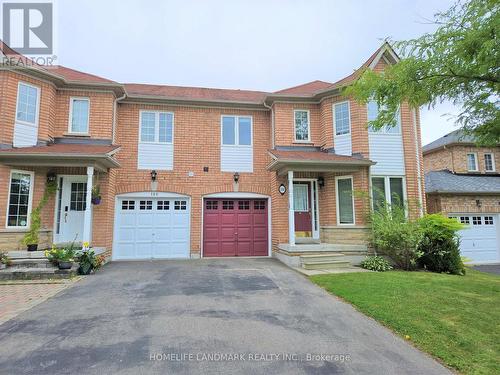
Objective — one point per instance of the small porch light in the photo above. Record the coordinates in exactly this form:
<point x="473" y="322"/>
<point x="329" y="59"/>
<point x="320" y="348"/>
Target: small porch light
<point x="321" y="181"/>
<point x="51" y="177"/>
<point x="478" y="203"/>
<point x="236" y="177"/>
<point x="153" y="175"/>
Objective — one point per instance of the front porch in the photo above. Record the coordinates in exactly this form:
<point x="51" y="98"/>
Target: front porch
<point x="326" y="218"/>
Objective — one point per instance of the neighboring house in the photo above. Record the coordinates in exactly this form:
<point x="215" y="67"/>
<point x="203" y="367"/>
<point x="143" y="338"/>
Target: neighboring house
<point x="462" y="180"/>
<point x="189" y="172"/>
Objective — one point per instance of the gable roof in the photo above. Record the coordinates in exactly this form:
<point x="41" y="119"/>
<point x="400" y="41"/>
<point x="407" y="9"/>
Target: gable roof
<point x="446" y="182"/>
<point x="455" y="137"/>
<point x="306" y="88"/>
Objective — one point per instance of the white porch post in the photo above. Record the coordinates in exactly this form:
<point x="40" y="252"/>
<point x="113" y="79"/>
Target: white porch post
<point x="291" y="212"/>
<point x="87" y="221"/>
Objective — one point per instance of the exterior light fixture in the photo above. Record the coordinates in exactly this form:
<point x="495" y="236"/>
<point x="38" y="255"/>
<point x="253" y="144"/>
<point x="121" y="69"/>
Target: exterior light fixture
<point x="478" y="203"/>
<point x="321" y="181"/>
<point x="236" y="177"/>
<point x="51" y="177"/>
<point x="153" y="175"/>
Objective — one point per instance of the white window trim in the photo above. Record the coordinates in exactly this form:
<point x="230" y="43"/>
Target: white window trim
<point x="30" y="199"/>
<point x="70" y="130"/>
<point x="236" y="131"/>
<point x="334" y="121"/>
<point x="492" y="162"/>
<point x="337" y="206"/>
<point x="157" y="127"/>
<point x="308" y="140"/>
<point x="37" y="110"/>
<point x="475" y="162"/>
<point x="387" y="188"/>
<point x="383" y="131"/>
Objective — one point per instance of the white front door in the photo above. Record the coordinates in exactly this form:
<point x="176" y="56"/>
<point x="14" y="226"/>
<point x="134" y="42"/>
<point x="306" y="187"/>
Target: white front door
<point x="72" y="204"/>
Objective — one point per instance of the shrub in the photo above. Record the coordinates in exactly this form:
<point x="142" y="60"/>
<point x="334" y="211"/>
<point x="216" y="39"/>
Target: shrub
<point x="396" y="237"/>
<point x="61" y="254"/>
<point x="89" y="262"/>
<point x="4" y="259"/>
<point x="376" y="263"/>
<point x="440" y="245"/>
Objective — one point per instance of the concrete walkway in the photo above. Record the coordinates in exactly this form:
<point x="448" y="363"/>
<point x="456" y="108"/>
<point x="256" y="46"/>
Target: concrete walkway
<point x="241" y="316"/>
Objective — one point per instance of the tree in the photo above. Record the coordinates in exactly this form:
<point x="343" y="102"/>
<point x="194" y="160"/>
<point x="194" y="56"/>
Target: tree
<point x="459" y="62"/>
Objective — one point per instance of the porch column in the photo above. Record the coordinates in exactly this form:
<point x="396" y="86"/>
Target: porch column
<point x="87" y="221"/>
<point x="291" y="212"/>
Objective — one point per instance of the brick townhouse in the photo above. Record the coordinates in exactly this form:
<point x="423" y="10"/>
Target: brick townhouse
<point x="462" y="181"/>
<point x="199" y="172"/>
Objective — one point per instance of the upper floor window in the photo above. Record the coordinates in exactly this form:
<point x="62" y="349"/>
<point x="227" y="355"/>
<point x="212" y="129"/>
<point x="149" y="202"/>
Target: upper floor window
<point x="20" y="195"/>
<point x="27" y="103"/>
<point x="342" y="118"/>
<point x="373" y="111"/>
<point x="79" y="115"/>
<point x="472" y="162"/>
<point x="156" y="127"/>
<point x="489" y="163"/>
<point x="236" y="131"/>
<point x="301" y="121"/>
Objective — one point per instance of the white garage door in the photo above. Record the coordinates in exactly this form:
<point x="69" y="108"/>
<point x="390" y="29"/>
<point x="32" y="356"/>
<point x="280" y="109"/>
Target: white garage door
<point x="480" y="241"/>
<point x="148" y="228"/>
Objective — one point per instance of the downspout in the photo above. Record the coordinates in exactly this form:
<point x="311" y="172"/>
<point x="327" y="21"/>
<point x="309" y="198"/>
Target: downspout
<point x="419" y="172"/>
<point x="115" y="107"/>
<point x="272" y="123"/>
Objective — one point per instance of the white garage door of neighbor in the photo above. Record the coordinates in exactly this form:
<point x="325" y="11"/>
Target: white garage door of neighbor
<point x="480" y="241"/>
<point x="152" y="228"/>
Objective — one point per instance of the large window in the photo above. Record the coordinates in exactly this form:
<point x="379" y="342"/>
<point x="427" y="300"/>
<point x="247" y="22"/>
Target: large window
<point x="20" y="192"/>
<point x="387" y="191"/>
<point x="301" y="121"/>
<point x="27" y="103"/>
<point x="342" y="118"/>
<point x="489" y="163"/>
<point x="79" y="115"/>
<point x="236" y="131"/>
<point x="472" y="162"/>
<point x="373" y="110"/>
<point x="345" y="200"/>
<point x="157" y="127"/>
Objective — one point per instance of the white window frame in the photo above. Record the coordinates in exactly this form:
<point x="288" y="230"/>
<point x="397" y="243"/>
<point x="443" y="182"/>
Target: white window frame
<point x="236" y="131"/>
<point x="384" y="129"/>
<point x="334" y="120"/>
<point x="476" y="163"/>
<point x="70" y="123"/>
<point x="337" y="206"/>
<point x="37" y="110"/>
<point x="492" y="155"/>
<point x="308" y="140"/>
<point x="30" y="199"/>
<point x="157" y="127"/>
<point x="387" y="188"/>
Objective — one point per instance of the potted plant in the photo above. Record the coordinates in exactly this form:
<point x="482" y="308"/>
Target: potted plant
<point x="63" y="257"/>
<point x="89" y="262"/>
<point x="96" y="195"/>
<point x="4" y="260"/>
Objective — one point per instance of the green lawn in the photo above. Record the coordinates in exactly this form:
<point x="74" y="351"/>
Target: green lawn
<point x="454" y="318"/>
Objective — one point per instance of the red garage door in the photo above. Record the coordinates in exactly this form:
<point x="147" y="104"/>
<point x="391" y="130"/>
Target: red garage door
<point x="235" y="227"/>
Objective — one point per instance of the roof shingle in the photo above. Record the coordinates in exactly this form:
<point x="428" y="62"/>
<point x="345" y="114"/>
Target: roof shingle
<point x="447" y="182"/>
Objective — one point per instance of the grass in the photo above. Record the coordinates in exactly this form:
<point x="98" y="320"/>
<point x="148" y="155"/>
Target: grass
<point x="454" y="318"/>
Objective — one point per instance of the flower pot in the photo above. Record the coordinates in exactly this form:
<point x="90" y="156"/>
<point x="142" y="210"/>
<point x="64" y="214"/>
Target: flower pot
<point x="95" y="201"/>
<point x="64" y="265"/>
<point x="32" y="247"/>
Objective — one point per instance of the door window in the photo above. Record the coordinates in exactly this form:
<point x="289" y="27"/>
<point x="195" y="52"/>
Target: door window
<point x="300" y="201"/>
<point x="78" y="201"/>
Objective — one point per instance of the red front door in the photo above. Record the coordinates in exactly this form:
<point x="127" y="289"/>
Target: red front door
<point x="302" y="208"/>
<point x="235" y="227"/>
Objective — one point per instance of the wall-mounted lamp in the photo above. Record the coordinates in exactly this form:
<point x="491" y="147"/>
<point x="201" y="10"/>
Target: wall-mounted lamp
<point x="153" y="175"/>
<point x="478" y="203"/>
<point x="321" y="181"/>
<point x="51" y="177"/>
<point x="236" y="177"/>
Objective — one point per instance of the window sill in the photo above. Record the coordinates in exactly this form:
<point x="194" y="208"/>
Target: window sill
<point x="303" y="142"/>
<point x="83" y="135"/>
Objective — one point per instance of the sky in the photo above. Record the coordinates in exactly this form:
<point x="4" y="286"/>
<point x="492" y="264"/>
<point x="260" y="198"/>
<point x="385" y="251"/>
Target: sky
<point x="263" y="45"/>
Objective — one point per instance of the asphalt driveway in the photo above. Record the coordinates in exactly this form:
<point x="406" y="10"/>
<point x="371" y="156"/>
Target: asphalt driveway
<point x="185" y="316"/>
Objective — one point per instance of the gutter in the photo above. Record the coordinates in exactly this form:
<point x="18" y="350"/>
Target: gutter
<point x="115" y="105"/>
<point x="272" y="124"/>
<point x="419" y="172"/>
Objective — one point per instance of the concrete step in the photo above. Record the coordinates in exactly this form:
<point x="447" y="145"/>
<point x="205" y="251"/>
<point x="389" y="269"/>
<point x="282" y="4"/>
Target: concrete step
<point x="26" y="254"/>
<point x="323" y="247"/>
<point x="31" y="263"/>
<point x="28" y="273"/>
<point x="321" y="257"/>
<point x="326" y="265"/>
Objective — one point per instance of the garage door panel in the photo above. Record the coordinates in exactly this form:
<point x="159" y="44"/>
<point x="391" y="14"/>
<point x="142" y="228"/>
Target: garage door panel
<point x="260" y="248"/>
<point x="211" y="248"/>
<point x="143" y="250"/>
<point x="144" y="220"/>
<point x="479" y="241"/>
<point x="227" y="233"/>
<point x="126" y="234"/>
<point x="144" y="234"/>
<point x="260" y="219"/>
<point x="260" y="234"/>
<point x="211" y="219"/>
<point x="163" y="220"/>
<point x="227" y="248"/>
<point x="128" y="220"/>
<point x="244" y="219"/>
<point x="127" y="250"/>
<point x="245" y="248"/>
<point x="211" y="234"/>
<point x="244" y="233"/>
<point x="227" y="219"/>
